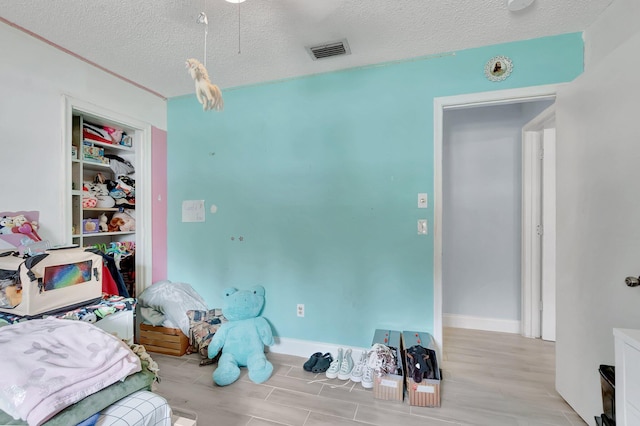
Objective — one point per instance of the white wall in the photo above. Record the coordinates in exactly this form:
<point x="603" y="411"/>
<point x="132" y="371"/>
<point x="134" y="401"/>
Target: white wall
<point x="613" y="28"/>
<point x="598" y="210"/>
<point x="34" y="76"/>
<point x="482" y="197"/>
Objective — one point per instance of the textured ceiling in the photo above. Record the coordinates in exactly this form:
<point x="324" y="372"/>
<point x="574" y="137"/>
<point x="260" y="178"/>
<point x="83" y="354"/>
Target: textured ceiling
<point x="148" y="42"/>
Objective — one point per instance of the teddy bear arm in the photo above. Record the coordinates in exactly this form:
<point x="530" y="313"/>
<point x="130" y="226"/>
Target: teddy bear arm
<point x="264" y="330"/>
<point x="217" y="342"/>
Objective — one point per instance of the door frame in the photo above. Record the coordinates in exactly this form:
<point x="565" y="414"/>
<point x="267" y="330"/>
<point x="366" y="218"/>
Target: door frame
<point x="499" y="97"/>
<point x="142" y="139"/>
<point x="538" y="226"/>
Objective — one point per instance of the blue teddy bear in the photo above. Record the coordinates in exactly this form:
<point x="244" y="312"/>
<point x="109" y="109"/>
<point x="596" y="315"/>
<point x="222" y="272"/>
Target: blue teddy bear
<point x="242" y="338"/>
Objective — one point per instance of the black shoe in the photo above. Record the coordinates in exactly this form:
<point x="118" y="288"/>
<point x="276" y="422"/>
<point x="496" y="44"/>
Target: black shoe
<point x="307" y="366"/>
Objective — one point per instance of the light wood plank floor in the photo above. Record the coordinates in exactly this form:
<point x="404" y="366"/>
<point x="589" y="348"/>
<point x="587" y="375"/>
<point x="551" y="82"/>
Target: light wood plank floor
<point x="489" y="379"/>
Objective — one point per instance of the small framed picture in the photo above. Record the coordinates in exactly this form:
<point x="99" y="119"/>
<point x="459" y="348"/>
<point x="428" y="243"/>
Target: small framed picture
<point x="498" y="68"/>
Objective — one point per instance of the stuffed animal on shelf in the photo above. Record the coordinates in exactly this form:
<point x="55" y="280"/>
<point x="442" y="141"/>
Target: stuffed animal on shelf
<point x="89" y="199"/>
<point x="123" y="221"/>
<point x="102" y="223"/>
<point x="242" y="338"/>
<point x="127" y="221"/>
<point x="208" y="94"/>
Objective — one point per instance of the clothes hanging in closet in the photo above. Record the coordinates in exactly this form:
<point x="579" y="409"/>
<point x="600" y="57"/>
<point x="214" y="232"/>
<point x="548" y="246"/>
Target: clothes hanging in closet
<point x="110" y="269"/>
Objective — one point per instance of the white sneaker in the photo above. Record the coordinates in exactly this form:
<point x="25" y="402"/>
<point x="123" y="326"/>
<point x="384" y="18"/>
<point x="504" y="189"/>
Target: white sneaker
<point x="367" y="377"/>
<point x="334" y="367"/>
<point x="358" y="370"/>
<point x="346" y="366"/>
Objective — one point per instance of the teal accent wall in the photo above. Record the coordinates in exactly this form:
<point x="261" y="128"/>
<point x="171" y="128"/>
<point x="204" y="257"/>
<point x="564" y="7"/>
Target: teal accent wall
<point x="319" y="176"/>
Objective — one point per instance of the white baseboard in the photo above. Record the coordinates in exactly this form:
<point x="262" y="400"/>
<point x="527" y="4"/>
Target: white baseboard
<point x="481" y="323"/>
<point x="305" y="348"/>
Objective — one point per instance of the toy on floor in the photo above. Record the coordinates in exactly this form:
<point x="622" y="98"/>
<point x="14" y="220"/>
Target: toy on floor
<point x="208" y="94"/>
<point x="242" y="338"/>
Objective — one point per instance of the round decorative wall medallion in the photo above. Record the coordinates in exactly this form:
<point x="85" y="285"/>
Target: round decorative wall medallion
<point x="498" y="68"/>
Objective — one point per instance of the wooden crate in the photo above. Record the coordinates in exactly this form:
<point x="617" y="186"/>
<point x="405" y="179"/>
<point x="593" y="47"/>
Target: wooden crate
<point x="168" y="341"/>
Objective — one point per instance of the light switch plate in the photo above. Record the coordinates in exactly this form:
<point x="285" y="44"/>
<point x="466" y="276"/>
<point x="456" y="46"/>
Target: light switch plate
<point x="422" y="201"/>
<point x="422" y="226"/>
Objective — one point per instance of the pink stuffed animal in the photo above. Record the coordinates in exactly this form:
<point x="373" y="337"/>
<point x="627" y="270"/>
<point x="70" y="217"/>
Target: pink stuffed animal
<point x="22" y="226"/>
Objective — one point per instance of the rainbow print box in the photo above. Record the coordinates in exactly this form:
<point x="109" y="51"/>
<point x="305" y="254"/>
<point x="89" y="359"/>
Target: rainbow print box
<point x="54" y="280"/>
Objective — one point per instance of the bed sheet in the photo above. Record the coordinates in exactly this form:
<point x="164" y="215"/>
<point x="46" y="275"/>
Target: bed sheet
<point x="92" y="313"/>
<point x="142" y="408"/>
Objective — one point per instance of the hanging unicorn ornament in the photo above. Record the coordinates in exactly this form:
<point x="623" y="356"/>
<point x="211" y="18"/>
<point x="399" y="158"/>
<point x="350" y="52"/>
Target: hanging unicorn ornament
<point x="208" y="94"/>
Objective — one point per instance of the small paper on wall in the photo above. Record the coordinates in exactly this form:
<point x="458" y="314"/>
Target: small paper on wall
<point x="193" y="211"/>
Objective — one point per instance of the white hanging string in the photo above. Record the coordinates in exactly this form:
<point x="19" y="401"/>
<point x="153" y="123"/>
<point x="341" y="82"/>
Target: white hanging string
<point x="206" y="31"/>
<point x="238" y="28"/>
<point x="202" y="19"/>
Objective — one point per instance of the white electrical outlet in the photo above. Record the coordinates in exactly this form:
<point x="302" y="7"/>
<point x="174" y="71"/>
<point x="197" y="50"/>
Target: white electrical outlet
<point x="300" y="309"/>
<point x="422" y="226"/>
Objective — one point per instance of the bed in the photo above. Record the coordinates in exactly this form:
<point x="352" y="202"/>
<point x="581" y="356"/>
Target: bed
<point x="61" y="372"/>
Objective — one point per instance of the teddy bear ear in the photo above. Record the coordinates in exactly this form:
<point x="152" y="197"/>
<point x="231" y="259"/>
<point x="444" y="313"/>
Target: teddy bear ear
<point x="258" y="289"/>
<point x="229" y="291"/>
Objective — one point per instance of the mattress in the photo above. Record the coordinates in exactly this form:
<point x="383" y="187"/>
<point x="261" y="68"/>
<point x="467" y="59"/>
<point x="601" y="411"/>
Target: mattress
<point x="142" y="408"/>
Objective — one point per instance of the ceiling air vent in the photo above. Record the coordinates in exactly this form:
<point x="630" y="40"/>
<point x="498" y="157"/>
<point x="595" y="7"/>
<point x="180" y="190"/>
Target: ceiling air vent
<point x="328" y="50"/>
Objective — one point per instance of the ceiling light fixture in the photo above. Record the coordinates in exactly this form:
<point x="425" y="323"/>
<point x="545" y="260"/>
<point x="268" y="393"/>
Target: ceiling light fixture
<point x="235" y="1"/>
<point x="515" y="5"/>
<point x="202" y="19"/>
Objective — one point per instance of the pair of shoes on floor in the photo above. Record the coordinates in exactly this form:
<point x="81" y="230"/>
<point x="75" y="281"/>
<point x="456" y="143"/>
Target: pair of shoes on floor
<point x="420" y="363"/>
<point x="362" y="373"/>
<point x="358" y="369"/>
<point x="367" y="377"/>
<point x="341" y="366"/>
<point x="318" y="363"/>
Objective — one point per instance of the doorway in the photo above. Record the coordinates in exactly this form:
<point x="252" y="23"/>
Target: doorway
<point x="516" y="98"/>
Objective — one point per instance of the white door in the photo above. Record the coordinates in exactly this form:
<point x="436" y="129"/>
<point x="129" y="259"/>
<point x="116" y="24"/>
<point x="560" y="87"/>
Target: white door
<point x="598" y="217"/>
<point x="548" y="309"/>
<point x="539" y="227"/>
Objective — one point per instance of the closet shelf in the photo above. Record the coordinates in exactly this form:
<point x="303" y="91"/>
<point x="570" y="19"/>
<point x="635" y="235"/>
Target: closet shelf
<point x="103" y="234"/>
<point x="99" y="209"/>
<point x="112" y="146"/>
<point x="89" y="165"/>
